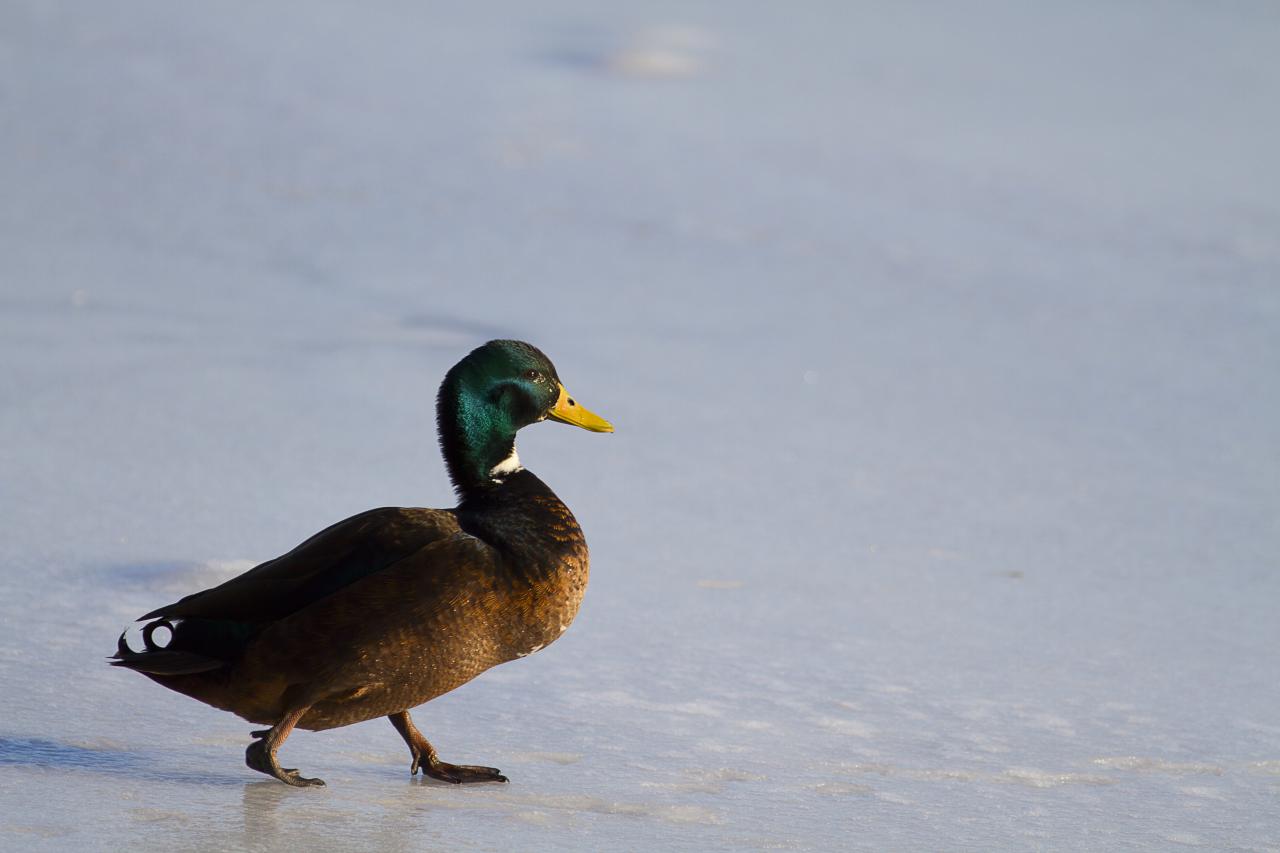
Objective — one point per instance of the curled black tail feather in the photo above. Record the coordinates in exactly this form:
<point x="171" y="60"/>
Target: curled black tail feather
<point x="150" y="628"/>
<point x="161" y="660"/>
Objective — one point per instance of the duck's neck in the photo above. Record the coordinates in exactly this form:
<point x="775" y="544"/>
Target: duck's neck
<point x="478" y="444"/>
<point x="524" y="520"/>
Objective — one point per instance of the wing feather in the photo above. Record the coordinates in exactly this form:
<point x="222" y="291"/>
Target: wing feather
<point x="334" y="558"/>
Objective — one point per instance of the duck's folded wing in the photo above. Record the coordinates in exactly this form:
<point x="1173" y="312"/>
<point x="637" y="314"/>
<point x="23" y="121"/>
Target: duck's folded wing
<point x="329" y="561"/>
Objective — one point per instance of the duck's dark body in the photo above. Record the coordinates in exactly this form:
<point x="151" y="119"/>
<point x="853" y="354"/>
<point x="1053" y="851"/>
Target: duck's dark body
<point x="409" y="629"/>
<point x="393" y="607"/>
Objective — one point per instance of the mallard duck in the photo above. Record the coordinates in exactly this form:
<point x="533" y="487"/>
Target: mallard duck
<point x="395" y="606"/>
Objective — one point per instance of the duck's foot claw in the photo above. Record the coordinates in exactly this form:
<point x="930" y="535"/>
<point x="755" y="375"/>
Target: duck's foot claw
<point x="259" y="758"/>
<point x="458" y="773"/>
<point x="291" y="777"/>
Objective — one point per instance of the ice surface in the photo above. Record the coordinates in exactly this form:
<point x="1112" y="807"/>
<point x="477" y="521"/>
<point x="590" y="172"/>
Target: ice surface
<point x="941" y="339"/>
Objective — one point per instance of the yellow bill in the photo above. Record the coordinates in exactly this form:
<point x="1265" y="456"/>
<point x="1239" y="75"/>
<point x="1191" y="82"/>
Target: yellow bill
<point x="567" y="411"/>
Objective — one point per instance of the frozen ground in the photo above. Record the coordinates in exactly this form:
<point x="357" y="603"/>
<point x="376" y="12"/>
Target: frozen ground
<point x="942" y="345"/>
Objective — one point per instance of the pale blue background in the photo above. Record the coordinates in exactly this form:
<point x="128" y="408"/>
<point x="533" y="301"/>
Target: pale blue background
<point x="942" y="342"/>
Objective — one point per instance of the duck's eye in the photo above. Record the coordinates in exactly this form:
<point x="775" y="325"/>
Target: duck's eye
<point x="532" y="375"/>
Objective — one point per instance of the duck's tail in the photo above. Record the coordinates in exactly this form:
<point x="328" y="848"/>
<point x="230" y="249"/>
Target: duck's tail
<point x="161" y="660"/>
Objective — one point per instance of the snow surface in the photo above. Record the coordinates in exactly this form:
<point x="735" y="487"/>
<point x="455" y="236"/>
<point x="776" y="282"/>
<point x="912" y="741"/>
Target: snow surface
<point x="941" y="340"/>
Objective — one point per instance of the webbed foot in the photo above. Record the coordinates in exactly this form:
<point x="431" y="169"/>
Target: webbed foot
<point x="426" y="759"/>
<point x="455" y="773"/>
<point x="261" y="757"/>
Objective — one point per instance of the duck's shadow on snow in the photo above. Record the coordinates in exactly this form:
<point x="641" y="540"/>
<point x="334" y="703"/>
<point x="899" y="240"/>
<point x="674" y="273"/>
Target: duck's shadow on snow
<point x="55" y="755"/>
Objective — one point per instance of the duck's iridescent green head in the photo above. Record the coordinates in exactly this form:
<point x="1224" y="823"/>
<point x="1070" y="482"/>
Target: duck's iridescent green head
<point x="489" y="395"/>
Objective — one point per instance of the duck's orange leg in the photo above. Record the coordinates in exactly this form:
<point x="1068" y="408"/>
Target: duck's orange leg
<point x="424" y="756"/>
<point x="261" y="754"/>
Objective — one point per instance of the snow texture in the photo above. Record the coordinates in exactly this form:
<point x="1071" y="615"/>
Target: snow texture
<point x="942" y="342"/>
